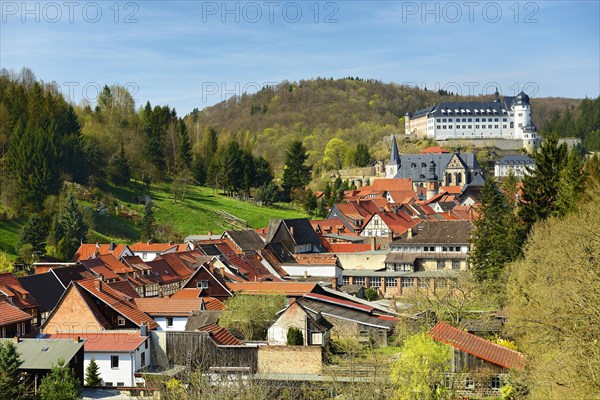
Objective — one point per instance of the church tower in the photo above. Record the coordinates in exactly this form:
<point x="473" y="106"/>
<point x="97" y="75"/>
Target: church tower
<point x="393" y="165"/>
<point x="432" y="181"/>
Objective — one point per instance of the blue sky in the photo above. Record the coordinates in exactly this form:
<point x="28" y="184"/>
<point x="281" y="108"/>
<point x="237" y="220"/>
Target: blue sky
<point x="191" y="54"/>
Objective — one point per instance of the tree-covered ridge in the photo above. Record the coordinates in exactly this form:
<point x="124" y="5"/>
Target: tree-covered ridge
<point x="582" y="122"/>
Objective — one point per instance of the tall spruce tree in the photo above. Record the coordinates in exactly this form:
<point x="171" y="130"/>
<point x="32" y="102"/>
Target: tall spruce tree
<point x="184" y="147"/>
<point x="119" y="170"/>
<point x="570" y="184"/>
<point x="72" y="229"/>
<point x="34" y="233"/>
<point x="494" y="241"/>
<point x="362" y="157"/>
<point x="148" y="226"/>
<point x="296" y="175"/>
<point x="540" y="186"/>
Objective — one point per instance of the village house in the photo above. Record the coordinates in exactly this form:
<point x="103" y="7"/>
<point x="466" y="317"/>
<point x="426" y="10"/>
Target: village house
<point x="478" y="367"/>
<point x="90" y="250"/>
<point x="171" y="314"/>
<point x="297" y="235"/>
<point x="518" y="164"/>
<point x="46" y="288"/>
<point x="93" y="305"/>
<point x="13" y="321"/>
<point x="149" y="251"/>
<point x="210" y="284"/>
<point x="315" y="329"/>
<point x="40" y="356"/>
<point x="118" y="354"/>
<point x="13" y="292"/>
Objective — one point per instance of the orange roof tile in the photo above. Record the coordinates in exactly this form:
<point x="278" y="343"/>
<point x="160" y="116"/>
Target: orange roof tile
<point x="390" y="184"/>
<point x="167" y="306"/>
<point x="263" y="288"/>
<point x="477" y="346"/>
<point x="111" y="262"/>
<point x="117" y="301"/>
<point x="350" y="247"/>
<point x="10" y="314"/>
<point x="124" y="287"/>
<point x="177" y="265"/>
<point x="153" y="247"/>
<point x="87" y="250"/>
<point x="434" y="150"/>
<point x="316" y="258"/>
<point x="104" y="342"/>
<point x="220" y="335"/>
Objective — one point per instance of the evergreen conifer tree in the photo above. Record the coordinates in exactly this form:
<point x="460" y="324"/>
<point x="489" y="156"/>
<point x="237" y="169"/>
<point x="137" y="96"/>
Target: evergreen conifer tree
<point x="11" y="382"/>
<point x="119" y="170"/>
<point x="148" y="228"/>
<point x="60" y="384"/>
<point x="92" y="374"/>
<point x="34" y="232"/>
<point x="296" y="174"/>
<point x="570" y="184"/>
<point x="72" y="229"/>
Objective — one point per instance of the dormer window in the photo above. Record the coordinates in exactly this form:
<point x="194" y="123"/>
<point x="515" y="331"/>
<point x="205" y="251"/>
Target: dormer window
<point x="202" y="285"/>
<point x="120" y="321"/>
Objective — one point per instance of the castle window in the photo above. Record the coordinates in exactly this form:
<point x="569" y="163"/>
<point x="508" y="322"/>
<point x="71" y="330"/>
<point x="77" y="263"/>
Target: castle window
<point x="520" y="114"/>
<point x="469" y="119"/>
<point x="496" y="126"/>
<point x="512" y="125"/>
<point x="504" y="126"/>
<point x="489" y="127"/>
<point x="503" y="119"/>
<point x="476" y="126"/>
<point x="423" y="165"/>
<point x="470" y="126"/>
<point x="495" y="119"/>
<point x="476" y="119"/>
<point x="520" y="124"/>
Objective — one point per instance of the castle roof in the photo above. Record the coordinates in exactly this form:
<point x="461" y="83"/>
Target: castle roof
<point x="416" y="166"/>
<point x="473" y="108"/>
<point x="394" y="154"/>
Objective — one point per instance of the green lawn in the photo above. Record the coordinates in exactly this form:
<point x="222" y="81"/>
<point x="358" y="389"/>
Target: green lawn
<point x="197" y="214"/>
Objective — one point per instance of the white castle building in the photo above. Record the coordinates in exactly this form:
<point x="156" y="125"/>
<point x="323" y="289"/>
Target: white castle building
<point x="506" y="119"/>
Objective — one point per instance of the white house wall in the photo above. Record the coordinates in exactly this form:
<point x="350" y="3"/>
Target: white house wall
<point x="178" y="323"/>
<point x="128" y="364"/>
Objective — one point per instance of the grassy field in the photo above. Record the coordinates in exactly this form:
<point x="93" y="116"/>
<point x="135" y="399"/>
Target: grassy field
<point x="199" y="212"/>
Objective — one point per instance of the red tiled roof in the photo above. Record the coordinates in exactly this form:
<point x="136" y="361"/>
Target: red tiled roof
<point x="10" y="314"/>
<point x="111" y="262"/>
<point x="391" y="184"/>
<point x="105" y="272"/>
<point x="220" y="335"/>
<point x="350" y="247"/>
<point x="135" y="262"/>
<point x="262" y="288"/>
<point x="152" y="247"/>
<point x="104" y="342"/>
<point x="163" y="270"/>
<point x="117" y="301"/>
<point x="477" y="346"/>
<point x="434" y="150"/>
<point x="344" y="303"/>
<point x="11" y="287"/>
<point x="210" y="303"/>
<point x="124" y="287"/>
<point x="177" y="265"/>
<point x="167" y="306"/>
<point x="87" y="250"/>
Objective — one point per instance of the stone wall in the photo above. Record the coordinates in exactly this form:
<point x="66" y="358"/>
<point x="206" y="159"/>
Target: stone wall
<point x="290" y="360"/>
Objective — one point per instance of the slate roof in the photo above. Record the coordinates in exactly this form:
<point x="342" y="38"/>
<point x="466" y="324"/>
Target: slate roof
<point x="438" y="232"/>
<point x="71" y="273"/>
<point x="46" y="288"/>
<point x="279" y="251"/>
<point x="515" y="160"/>
<point x="44" y="354"/>
<point x="220" y="336"/>
<point x="198" y="319"/>
<point x="10" y="314"/>
<point x="501" y="107"/>
<point x="394" y="154"/>
<point x="355" y="314"/>
<point x="300" y="229"/>
<point x="247" y="240"/>
<point x="477" y="346"/>
<point x="102" y="342"/>
<point x="416" y="166"/>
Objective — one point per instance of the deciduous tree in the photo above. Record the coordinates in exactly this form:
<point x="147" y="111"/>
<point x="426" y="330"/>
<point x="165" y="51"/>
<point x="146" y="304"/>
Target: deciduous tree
<point x="249" y="316"/>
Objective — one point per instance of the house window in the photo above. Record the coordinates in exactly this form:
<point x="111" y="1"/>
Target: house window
<point x="144" y="256"/>
<point x="23" y="329"/>
<point x="120" y="321"/>
<point x="423" y="283"/>
<point x="143" y="360"/>
<point x="455" y="264"/>
<point x="407" y="282"/>
<point x="202" y="285"/>
<point x="375" y="282"/>
<point x="359" y="281"/>
<point x="146" y="343"/>
<point x="496" y="383"/>
<point x="120" y="384"/>
<point x="469" y="383"/>
<point x="3" y="332"/>
<point x="169" y="322"/>
<point x="18" y="329"/>
<point x="114" y="362"/>
<point x="108" y="384"/>
<point x="391" y="282"/>
<point x="345" y="280"/>
<point x="441" y="264"/>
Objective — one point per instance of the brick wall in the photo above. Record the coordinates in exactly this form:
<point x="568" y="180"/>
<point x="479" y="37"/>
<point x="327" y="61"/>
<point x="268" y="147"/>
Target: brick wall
<point x="290" y="360"/>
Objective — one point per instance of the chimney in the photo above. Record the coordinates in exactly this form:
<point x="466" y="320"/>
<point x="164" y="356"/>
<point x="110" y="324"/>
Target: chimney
<point x="77" y="339"/>
<point x="393" y="306"/>
<point x="374" y="243"/>
<point x="409" y="233"/>
<point x="305" y="274"/>
<point x="113" y="246"/>
<point x="334" y="284"/>
<point x="143" y="329"/>
<point x="99" y="285"/>
<point x="209" y="233"/>
<point x="16" y="339"/>
<point x="292" y="230"/>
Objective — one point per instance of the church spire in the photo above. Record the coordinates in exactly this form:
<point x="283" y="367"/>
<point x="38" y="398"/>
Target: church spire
<point x="394" y="154"/>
